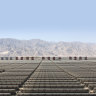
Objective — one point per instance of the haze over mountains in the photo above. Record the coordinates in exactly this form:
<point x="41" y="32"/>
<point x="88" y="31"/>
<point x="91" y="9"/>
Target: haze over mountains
<point x="36" y="47"/>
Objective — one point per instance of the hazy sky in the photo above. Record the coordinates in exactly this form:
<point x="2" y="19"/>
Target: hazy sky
<point x="50" y="20"/>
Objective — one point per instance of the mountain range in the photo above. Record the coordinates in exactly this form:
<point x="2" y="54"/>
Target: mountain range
<point x="36" y="47"/>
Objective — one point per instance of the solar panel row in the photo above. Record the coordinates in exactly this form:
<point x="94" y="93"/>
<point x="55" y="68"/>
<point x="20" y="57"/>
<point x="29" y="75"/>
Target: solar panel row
<point x="48" y="78"/>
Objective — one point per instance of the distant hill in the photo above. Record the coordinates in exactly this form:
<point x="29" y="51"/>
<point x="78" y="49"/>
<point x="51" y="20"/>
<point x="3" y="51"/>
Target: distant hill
<point x="36" y="47"/>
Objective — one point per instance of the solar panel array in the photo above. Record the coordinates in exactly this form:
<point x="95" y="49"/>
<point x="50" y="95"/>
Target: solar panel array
<point x="48" y="78"/>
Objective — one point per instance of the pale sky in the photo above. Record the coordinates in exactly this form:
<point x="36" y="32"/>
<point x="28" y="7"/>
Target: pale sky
<point x="50" y="20"/>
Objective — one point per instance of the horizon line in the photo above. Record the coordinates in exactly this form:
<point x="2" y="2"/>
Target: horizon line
<point x="49" y="41"/>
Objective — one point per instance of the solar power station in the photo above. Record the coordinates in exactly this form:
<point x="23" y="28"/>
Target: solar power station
<point x="47" y="76"/>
